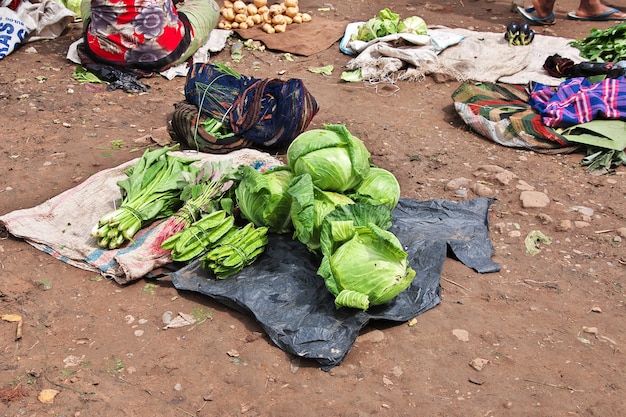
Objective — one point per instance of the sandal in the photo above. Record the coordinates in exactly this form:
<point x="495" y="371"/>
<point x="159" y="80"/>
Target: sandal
<point x="530" y="14"/>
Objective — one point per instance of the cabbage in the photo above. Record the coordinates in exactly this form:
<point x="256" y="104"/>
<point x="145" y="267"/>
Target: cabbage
<point x="363" y="265"/>
<point x="378" y="187"/>
<point x="413" y="24"/>
<point x="334" y="158"/>
<point x="386" y="23"/>
<point x="309" y="206"/>
<point x="263" y="198"/>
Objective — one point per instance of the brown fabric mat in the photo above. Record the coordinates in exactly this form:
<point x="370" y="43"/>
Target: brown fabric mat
<point x="300" y="38"/>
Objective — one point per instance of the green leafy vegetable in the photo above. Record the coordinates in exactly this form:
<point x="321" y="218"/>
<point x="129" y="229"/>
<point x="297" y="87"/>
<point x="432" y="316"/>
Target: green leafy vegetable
<point x="83" y="76"/>
<point x="263" y="199"/>
<point x="334" y="158"/>
<point x="378" y="187"/>
<point x="389" y="23"/>
<point x="203" y="195"/>
<point x="309" y="206"/>
<point x="200" y="237"/>
<point x="413" y="24"/>
<point x="151" y="191"/>
<point x="363" y="264"/>
<point x="607" y="45"/>
<point x="238" y="249"/>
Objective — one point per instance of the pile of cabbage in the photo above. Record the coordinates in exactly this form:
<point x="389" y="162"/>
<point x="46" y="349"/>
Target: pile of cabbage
<point x="334" y="201"/>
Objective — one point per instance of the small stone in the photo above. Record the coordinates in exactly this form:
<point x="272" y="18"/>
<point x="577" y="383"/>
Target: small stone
<point x="585" y="211"/>
<point x="590" y="330"/>
<point x="375" y="336"/>
<point x="178" y="387"/>
<point x="515" y="233"/>
<point x="457" y="183"/>
<point x="479" y="363"/>
<point x="167" y="317"/>
<point x="622" y="232"/>
<point x="462" y="335"/>
<point x="544" y="218"/>
<point x="505" y="177"/>
<point x="524" y="186"/>
<point x="534" y="199"/>
<point x="481" y="190"/>
<point x="138" y="333"/>
<point x="579" y="224"/>
<point x="564" y="226"/>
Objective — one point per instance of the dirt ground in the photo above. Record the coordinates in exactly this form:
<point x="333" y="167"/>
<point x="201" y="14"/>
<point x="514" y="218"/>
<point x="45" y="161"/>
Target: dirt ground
<point x="549" y="328"/>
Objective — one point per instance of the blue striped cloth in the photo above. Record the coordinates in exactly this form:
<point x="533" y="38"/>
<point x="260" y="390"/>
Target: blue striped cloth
<point x="578" y="100"/>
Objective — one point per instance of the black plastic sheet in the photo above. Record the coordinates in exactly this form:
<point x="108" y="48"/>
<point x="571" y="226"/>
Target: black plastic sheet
<point x="283" y="292"/>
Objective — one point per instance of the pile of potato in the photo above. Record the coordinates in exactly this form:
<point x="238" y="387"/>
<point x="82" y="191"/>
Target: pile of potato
<point x="273" y="18"/>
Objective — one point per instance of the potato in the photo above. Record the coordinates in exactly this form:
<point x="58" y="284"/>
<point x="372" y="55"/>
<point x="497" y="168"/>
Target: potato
<point x="267" y="28"/>
<point x="262" y="10"/>
<point x="275" y="9"/>
<point x="306" y="17"/>
<point x="278" y="19"/>
<point x="297" y="18"/>
<point x="240" y="18"/>
<point x="280" y="28"/>
<point x="240" y="7"/>
<point x="257" y="19"/>
<point x="292" y="11"/>
<point x="228" y="14"/>
<point x="260" y="3"/>
<point x="228" y="4"/>
<point x="291" y="3"/>
<point x="252" y="9"/>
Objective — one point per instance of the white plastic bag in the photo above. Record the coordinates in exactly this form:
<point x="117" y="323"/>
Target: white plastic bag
<point x="12" y="31"/>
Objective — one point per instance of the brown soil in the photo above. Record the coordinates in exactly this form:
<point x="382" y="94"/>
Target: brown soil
<point x="551" y="327"/>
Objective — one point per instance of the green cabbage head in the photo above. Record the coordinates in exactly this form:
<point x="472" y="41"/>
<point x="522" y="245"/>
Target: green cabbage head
<point x="334" y="158"/>
<point x="263" y="197"/>
<point x="378" y="187"/>
<point x="369" y="268"/>
<point x="309" y="207"/>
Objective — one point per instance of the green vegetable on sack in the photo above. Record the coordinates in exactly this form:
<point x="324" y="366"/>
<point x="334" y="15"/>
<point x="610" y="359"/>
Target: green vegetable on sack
<point x="364" y="264"/>
<point x="238" y="249"/>
<point x="378" y="187"/>
<point x="263" y="199"/>
<point x="200" y="237"/>
<point x="151" y="191"/>
<point x="334" y="158"/>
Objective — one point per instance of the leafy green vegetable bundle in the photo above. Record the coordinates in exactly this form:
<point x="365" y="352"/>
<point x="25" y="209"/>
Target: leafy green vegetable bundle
<point x="606" y="45"/>
<point x="151" y="191"/>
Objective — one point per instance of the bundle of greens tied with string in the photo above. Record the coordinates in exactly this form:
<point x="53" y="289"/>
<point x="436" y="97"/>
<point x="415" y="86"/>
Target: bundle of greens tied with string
<point x="150" y="191"/>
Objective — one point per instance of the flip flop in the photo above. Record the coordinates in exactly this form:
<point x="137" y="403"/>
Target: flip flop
<point x="606" y="16"/>
<point x="530" y="14"/>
